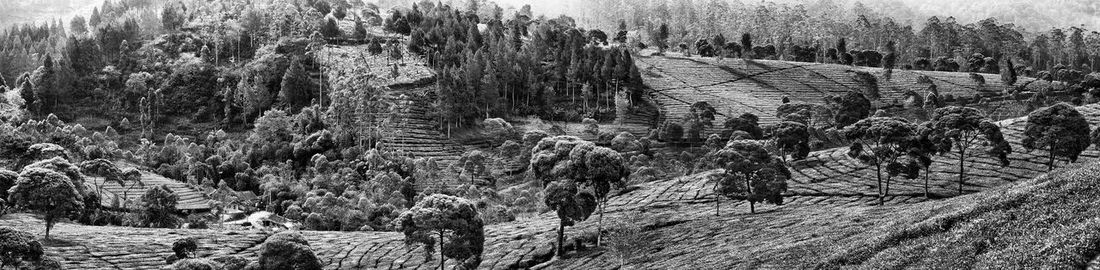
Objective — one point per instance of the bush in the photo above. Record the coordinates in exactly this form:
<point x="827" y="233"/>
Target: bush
<point x="18" y="247"/>
<point x="287" y="250"/>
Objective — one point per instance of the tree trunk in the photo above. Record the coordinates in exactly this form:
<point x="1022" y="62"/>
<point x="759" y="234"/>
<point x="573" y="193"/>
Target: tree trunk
<point x="962" y="168"/>
<point x="878" y="177"/>
<point x="49" y="224"/>
<point x="441" y="259"/>
<point x="717" y="204"/>
<point x="561" y="238"/>
<point x="1050" y="163"/>
<point x="752" y="207"/>
<point x="599" y="224"/>
<point x="927" y="172"/>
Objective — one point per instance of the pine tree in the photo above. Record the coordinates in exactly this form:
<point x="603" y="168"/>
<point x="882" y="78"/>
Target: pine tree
<point x="95" y="19"/>
<point x="294" y="90"/>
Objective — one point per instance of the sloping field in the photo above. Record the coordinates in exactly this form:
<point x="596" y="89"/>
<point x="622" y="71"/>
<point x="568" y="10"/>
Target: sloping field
<point x="831" y="206"/>
<point x="189" y="198"/>
<point x="736" y="86"/>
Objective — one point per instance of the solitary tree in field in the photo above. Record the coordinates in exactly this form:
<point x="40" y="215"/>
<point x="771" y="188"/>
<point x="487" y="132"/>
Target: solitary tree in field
<point x="1060" y="129"/>
<point x="48" y="192"/>
<point x="960" y="128"/>
<point x="452" y="221"/>
<point x="880" y="142"/>
<point x="751" y="173"/>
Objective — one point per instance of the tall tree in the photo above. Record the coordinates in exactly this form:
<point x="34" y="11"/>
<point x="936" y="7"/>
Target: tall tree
<point x="880" y="142"/>
<point x="47" y="191"/>
<point x="960" y="128"/>
<point x="452" y="221"/>
<point x="1060" y="130"/>
<point x="294" y="91"/>
<point x="751" y="173"/>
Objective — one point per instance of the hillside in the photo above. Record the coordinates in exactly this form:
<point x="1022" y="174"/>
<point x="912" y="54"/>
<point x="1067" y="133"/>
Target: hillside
<point x="736" y="86"/>
<point x="825" y="206"/>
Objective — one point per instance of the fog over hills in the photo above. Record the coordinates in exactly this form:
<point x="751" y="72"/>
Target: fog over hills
<point x="27" y="11"/>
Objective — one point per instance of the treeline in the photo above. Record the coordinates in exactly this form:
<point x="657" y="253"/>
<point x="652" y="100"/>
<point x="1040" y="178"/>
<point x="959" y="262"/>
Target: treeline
<point x="520" y="66"/>
<point x="793" y="29"/>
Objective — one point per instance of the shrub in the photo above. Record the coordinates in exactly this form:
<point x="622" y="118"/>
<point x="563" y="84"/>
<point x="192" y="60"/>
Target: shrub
<point x="159" y="206"/>
<point x="18" y="247"/>
<point x="287" y="250"/>
<point x="671" y="132"/>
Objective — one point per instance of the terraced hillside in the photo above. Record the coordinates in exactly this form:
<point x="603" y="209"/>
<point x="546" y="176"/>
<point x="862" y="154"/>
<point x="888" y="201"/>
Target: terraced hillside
<point x="190" y="198"/>
<point x="736" y="86"/>
<point x="831" y="201"/>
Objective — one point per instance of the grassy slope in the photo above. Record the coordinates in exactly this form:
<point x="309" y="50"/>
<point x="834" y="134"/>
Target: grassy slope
<point x="1048" y="222"/>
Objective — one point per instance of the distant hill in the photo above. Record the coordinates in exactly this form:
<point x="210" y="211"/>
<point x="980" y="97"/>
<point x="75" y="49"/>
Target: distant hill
<point x="14" y="12"/>
<point x="1033" y="15"/>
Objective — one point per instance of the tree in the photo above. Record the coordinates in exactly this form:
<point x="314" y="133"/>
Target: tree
<point x="360" y="31"/>
<point x="849" y="108"/>
<point x="294" y="91"/>
<point x="746" y="46"/>
<point x="1060" y="130"/>
<point x="555" y="166"/>
<point x="329" y="29"/>
<point x="287" y="250"/>
<point x="751" y="173"/>
<point x="452" y="221"/>
<point x="880" y="142"/>
<point x="49" y="192"/>
<point x="662" y="38"/>
<point x="1008" y="73"/>
<point x="792" y="138"/>
<point x="603" y="169"/>
<point x="746" y="122"/>
<point x="671" y="132"/>
<point x="78" y="26"/>
<point x="571" y="205"/>
<point x="375" y="47"/>
<point x="17" y="247"/>
<point x="921" y="148"/>
<point x="159" y="205"/>
<point x="959" y="128"/>
<point x="807" y="111"/>
<point x="171" y="18"/>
